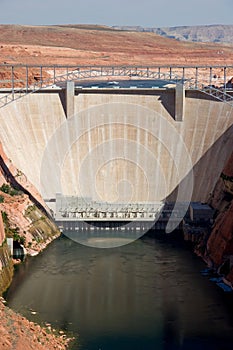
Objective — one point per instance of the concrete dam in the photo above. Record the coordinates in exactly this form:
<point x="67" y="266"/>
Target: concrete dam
<point x="125" y="145"/>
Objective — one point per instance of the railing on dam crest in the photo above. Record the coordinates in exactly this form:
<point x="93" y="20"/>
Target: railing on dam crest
<point x="22" y="80"/>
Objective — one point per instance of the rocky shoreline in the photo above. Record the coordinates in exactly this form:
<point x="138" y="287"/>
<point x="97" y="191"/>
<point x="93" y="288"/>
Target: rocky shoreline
<point x="17" y="333"/>
<point x="26" y="219"/>
<point x="216" y="246"/>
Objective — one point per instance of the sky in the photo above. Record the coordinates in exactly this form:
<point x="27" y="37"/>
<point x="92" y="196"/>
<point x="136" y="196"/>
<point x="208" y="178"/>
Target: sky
<point x="147" y="13"/>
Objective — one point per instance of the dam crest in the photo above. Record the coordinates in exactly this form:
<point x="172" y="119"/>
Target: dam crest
<point x="125" y="145"/>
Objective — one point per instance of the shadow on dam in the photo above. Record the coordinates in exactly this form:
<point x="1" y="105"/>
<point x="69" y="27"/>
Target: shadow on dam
<point x="205" y="170"/>
<point x="166" y="96"/>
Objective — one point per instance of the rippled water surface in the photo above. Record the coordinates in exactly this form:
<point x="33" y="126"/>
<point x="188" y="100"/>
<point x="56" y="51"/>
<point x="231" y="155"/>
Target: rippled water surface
<point x="149" y="294"/>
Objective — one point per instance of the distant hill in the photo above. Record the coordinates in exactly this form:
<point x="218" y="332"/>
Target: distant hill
<point x="87" y="44"/>
<point x="209" y="33"/>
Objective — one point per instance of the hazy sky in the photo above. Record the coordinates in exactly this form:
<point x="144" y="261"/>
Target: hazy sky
<point x="112" y="12"/>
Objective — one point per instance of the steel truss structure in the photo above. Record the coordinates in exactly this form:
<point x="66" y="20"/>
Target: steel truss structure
<point x="62" y="74"/>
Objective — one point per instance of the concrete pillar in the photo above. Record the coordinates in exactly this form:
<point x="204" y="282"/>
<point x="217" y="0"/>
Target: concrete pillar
<point x="179" y="102"/>
<point x="58" y="205"/>
<point x="10" y="245"/>
<point x="70" y="99"/>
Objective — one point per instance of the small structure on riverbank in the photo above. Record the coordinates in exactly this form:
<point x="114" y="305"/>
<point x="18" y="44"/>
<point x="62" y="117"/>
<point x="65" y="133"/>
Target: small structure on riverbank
<point x="200" y="212"/>
<point x="198" y="221"/>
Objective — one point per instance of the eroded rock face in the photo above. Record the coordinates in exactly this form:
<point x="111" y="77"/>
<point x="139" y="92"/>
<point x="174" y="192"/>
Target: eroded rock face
<point x="10" y="174"/>
<point x="24" y="217"/>
<point x="18" y="333"/>
<point x="220" y="243"/>
<point x="221" y="197"/>
<point x="25" y="214"/>
<point x="219" y="249"/>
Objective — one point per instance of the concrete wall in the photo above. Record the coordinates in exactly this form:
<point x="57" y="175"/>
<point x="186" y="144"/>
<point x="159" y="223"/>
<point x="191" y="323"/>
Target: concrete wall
<point x="6" y="268"/>
<point x="2" y="231"/>
<point x="125" y="147"/>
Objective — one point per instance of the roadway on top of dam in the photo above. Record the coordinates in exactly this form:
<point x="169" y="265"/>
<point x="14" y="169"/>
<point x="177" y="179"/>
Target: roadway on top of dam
<point x="121" y="84"/>
<point x="111" y="84"/>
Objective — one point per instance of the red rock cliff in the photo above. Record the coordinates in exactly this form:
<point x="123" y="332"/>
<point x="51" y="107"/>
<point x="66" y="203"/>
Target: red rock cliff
<point x="25" y="214"/>
<point x="219" y="250"/>
<point x="24" y="217"/>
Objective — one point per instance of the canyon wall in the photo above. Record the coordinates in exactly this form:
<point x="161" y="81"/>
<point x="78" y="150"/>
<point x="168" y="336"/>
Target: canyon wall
<point x="24" y="217"/>
<point x="219" y="248"/>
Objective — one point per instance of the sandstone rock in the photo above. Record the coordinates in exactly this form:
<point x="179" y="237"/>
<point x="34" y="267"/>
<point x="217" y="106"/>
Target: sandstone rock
<point x="26" y="212"/>
<point x="220" y="243"/>
<point x="14" y="328"/>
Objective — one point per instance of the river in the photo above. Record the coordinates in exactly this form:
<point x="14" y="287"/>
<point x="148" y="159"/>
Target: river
<point x="146" y="295"/>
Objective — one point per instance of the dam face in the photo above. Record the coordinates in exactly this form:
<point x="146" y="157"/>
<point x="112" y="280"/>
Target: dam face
<point x="119" y="146"/>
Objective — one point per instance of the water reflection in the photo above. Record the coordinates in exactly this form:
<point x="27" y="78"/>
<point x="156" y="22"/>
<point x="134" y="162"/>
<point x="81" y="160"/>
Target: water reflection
<point x="146" y="295"/>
